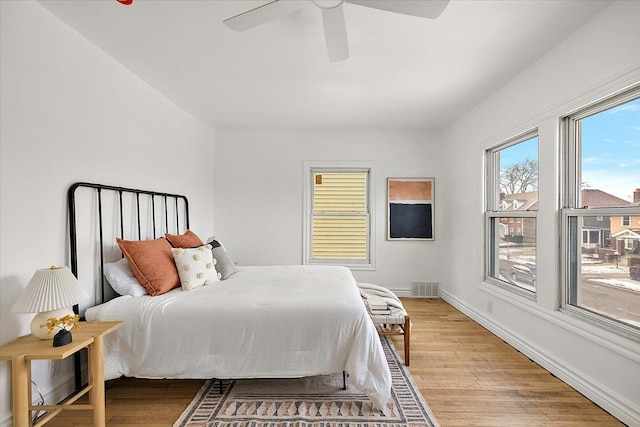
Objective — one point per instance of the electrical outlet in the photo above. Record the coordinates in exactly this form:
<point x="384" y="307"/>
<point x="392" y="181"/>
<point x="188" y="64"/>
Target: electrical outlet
<point x="490" y="306"/>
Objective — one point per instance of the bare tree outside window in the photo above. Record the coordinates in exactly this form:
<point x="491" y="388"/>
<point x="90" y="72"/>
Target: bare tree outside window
<point x="520" y="177"/>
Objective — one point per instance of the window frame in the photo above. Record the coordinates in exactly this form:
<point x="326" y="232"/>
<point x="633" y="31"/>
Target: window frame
<point x="311" y="167"/>
<point x="570" y="190"/>
<point x="493" y="213"/>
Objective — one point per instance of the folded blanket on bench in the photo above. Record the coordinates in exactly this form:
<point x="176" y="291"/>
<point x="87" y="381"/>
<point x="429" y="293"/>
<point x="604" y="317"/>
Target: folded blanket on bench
<point x="378" y="297"/>
<point x="376" y="302"/>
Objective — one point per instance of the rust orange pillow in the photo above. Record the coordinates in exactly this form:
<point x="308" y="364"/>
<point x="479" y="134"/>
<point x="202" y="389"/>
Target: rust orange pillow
<point x="152" y="263"/>
<point x="187" y="240"/>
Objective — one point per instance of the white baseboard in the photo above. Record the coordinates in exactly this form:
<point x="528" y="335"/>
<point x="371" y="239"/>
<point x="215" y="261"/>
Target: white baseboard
<point x="406" y="293"/>
<point x="621" y="408"/>
<point x="402" y="293"/>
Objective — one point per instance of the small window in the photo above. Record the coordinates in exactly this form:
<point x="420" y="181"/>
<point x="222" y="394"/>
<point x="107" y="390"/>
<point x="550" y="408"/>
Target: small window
<point x="338" y="225"/>
<point x="628" y="244"/>
<point x="512" y="198"/>
<point x="626" y="221"/>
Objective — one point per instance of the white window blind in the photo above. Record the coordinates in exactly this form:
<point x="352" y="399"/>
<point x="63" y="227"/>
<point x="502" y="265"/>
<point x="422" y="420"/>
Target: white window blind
<point x="340" y="216"/>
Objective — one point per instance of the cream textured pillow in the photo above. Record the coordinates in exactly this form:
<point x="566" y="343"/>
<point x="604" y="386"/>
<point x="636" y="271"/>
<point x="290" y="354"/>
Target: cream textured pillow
<point x="196" y="266"/>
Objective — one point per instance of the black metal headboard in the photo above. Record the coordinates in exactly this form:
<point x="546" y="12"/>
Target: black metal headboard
<point x="99" y="213"/>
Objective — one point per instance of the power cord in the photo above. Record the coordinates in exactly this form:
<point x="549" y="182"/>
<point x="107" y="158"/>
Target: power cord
<point x="40" y="402"/>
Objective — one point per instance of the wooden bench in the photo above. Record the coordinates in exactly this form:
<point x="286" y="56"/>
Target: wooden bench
<point x="395" y="322"/>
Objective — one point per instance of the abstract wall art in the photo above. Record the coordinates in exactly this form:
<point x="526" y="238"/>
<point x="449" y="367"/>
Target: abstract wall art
<point x="410" y="208"/>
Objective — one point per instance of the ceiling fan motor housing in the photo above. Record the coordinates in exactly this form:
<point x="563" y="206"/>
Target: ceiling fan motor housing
<point x="327" y="4"/>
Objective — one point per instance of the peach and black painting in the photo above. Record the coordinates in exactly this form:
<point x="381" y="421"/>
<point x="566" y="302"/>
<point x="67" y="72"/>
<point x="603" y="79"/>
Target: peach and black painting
<point x="410" y="210"/>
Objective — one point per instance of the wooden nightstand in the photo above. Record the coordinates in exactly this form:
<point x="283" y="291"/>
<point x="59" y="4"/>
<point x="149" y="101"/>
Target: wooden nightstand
<point x="22" y="351"/>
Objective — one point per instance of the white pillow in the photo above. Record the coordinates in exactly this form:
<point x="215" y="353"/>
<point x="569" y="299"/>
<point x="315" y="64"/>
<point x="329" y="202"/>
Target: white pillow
<point x="195" y="266"/>
<point x="122" y="280"/>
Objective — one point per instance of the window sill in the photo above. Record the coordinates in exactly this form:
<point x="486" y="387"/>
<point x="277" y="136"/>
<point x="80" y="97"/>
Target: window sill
<point x="356" y="267"/>
<point x="508" y="289"/>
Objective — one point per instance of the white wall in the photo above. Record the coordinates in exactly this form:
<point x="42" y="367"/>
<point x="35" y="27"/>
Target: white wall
<point x="259" y="195"/>
<point x="71" y="113"/>
<point x="601" y="57"/>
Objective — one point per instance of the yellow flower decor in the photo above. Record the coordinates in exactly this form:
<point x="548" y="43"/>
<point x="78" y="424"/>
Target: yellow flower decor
<point x="66" y="322"/>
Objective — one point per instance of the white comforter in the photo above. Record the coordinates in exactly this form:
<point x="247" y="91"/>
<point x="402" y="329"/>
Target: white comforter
<point x="274" y="321"/>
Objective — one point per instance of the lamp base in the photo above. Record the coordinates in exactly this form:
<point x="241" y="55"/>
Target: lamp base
<point x="41" y="319"/>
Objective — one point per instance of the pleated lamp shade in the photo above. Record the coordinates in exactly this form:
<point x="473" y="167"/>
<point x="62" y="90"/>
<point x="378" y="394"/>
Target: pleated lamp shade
<point x="51" y="292"/>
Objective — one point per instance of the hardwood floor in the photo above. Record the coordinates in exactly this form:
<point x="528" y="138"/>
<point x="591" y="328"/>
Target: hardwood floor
<point x="468" y="376"/>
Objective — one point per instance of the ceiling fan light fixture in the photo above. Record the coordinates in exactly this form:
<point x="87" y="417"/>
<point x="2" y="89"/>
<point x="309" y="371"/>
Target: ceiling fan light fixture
<point x="327" y="4"/>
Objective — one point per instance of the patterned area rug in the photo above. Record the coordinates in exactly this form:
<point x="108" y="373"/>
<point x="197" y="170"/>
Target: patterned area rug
<point x="307" y="402"/>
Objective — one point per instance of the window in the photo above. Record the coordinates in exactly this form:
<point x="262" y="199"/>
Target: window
<point x="338" y="209"/>
<point x="599" y="243"/>
<point x="512" y="197"/>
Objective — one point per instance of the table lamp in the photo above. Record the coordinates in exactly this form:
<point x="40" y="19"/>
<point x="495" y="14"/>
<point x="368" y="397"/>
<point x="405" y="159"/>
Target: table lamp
<point x="51" y="292"/>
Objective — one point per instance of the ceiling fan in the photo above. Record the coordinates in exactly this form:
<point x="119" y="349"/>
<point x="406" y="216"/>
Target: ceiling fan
<point x="335" y="30"/>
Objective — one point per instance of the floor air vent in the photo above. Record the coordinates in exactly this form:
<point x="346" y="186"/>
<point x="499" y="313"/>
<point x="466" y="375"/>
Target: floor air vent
<point x="424" y="290"/>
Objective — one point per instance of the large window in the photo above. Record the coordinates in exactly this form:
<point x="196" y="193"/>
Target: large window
<point x="601" y="213"/>
<point x="512" y="204"/>
<point x="339" y="216"/>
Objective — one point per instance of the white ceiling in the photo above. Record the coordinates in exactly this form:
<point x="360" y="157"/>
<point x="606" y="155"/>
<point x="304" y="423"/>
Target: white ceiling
<point x="404" y="72"/>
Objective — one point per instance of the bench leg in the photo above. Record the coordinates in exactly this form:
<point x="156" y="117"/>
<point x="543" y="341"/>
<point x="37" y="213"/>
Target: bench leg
<point x="407" y="333"/>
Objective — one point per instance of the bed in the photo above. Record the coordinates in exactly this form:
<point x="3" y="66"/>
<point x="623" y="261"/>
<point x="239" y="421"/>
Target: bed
<point x="261" y="321"/>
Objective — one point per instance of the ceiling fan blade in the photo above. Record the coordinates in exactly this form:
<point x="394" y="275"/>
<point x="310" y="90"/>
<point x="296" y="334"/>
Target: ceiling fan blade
<point x="260" y="15"/>
<point x="424" y="9"/>
<point x="335" y="34"/>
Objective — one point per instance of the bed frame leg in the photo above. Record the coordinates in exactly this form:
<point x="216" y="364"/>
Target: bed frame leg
<point x="344" y="380"/>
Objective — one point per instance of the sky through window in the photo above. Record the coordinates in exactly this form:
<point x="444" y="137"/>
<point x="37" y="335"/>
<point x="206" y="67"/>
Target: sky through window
<point x="610" y="150"/>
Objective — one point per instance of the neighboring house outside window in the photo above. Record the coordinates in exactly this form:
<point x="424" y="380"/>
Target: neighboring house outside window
<point x="598" y="227"/>
<point x="626" y="227"/>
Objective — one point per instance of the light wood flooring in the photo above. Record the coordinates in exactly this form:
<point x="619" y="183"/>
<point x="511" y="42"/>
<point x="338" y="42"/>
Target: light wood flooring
<point x="468" y="376"/>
